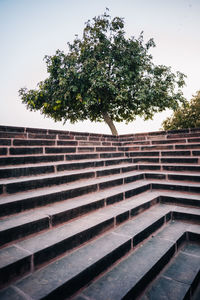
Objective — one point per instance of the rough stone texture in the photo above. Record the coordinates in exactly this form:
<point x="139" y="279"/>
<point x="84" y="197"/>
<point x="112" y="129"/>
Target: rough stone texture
<point x="184" y="268"/>
<point x="104" y="251"/>
<point x="13" y="262"/>
<point x="179" y="278"/>
<point x="166" y="288"/>
<point x="12" y="293"/>
<point x="117" y="217"/>
<point x="128" y="276"/>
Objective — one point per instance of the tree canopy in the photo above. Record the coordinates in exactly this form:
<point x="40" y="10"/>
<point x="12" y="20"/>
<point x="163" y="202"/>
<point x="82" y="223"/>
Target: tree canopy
<point x="105" y="76"/>
<point x="186" y="116"/>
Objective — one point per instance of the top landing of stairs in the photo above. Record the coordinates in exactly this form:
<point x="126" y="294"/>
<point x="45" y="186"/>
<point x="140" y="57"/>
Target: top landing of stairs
<point x="28" y="130"/>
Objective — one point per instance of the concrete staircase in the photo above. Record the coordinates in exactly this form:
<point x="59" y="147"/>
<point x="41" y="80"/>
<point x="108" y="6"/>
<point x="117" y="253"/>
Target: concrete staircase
<point x="93" y="216"/>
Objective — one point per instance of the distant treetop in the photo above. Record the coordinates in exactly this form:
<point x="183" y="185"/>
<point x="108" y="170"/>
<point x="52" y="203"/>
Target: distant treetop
<point x="186" y="116"/>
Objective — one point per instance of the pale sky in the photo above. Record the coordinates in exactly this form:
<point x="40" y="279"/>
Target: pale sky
<point x="31" y="29"/>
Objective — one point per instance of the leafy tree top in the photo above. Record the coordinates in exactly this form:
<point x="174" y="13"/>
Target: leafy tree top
<point x="105" y="77"/>
<point x="186" y="116"/>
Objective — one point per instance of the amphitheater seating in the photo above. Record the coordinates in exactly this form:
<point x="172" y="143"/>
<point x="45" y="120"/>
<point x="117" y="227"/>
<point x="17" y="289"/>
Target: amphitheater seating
<point x="94" y="216"/>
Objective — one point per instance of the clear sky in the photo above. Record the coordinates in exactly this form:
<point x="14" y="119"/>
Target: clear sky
<point x="31" y="29"/>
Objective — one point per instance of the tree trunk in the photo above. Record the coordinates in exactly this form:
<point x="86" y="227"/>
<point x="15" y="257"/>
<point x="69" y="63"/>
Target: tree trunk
<point x="110" y="123"/>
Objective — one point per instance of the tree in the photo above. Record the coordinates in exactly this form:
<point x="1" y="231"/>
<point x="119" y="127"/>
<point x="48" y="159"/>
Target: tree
<point x="186" y="116"/>
<point x="105" y="77"/>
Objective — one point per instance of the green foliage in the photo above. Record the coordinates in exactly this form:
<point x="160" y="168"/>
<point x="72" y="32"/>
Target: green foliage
<point x="105" y="73"/>
<point x="186" y="116"/>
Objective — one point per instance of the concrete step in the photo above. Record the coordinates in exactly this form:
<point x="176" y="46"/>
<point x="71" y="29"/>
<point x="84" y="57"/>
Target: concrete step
<point x="178" y="198"/>
<point x="8" y="135"/>
<point x="169" y="147"/>
<point x="161" y="160"/>
<point x="19" y="160"/>
<point x="43" y="283"/>
<point x="53" y="135"/>
<point x="162" y="153"/>
<point x="26" y="223"/>
<point x="180" y="278"/>
<point x="192" y="145"/>
<point x="78" y="210"/>
<point x="160" y="142"/>
<point x="18" y="151"/>
<point x="35" y="159"/>
<point x="5" y="142"/>
<point x="59" y="135"/>
<point x="25" y="150"/>
<point x="130" y="276"/>
<point x="11" y="129"/>
<point x="36" y="198"/>
<point x="17" y="226"/>
<point x="94" y="156"/>
<point x="90" y="220"/>
<point x="161" y="135"/>
<point x="169" y="167"/>
<point x="78" y="149"/>
<point x="19" y="171"/>
<point x="54" y="150"/>
<point x="4" y="128"/>
<point x="54" y="167"/>
<point x="11" y="186"/>
<point x="173" y="176"/>
<point x="63" y="232"/>
<point x="66" y="210"/>
<point x="70" y="142"/>
<point x="183" y="135"/>
<point x="46" y="246"/>
<point x="28" y="142"/>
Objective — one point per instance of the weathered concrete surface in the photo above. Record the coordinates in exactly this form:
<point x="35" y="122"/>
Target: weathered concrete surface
<point x="95" y="216"/>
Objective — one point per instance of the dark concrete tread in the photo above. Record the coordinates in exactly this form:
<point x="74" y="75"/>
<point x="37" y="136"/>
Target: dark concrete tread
<point x="47" y="245"/>
<point x="96" y="170"/>
<point x="126" y="173"/>
<point x="23" y="171"/>
<point x="13" y="228"/>
<point x="116" y="244"/>
<point x="180" y="277"/>
<point x="42" y="197"/>
<point x="22" y="224"/>
<point x="57" y="157"/>
<point x="100" y="171"/>
<point x="130" y="277"/>
<point x="58" y="166"/>
<point x="136" y="175"/>
<point x="79" y="206"/>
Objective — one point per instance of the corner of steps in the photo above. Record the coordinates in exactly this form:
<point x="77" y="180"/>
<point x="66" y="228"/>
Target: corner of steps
<point x="94" y="216"/>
